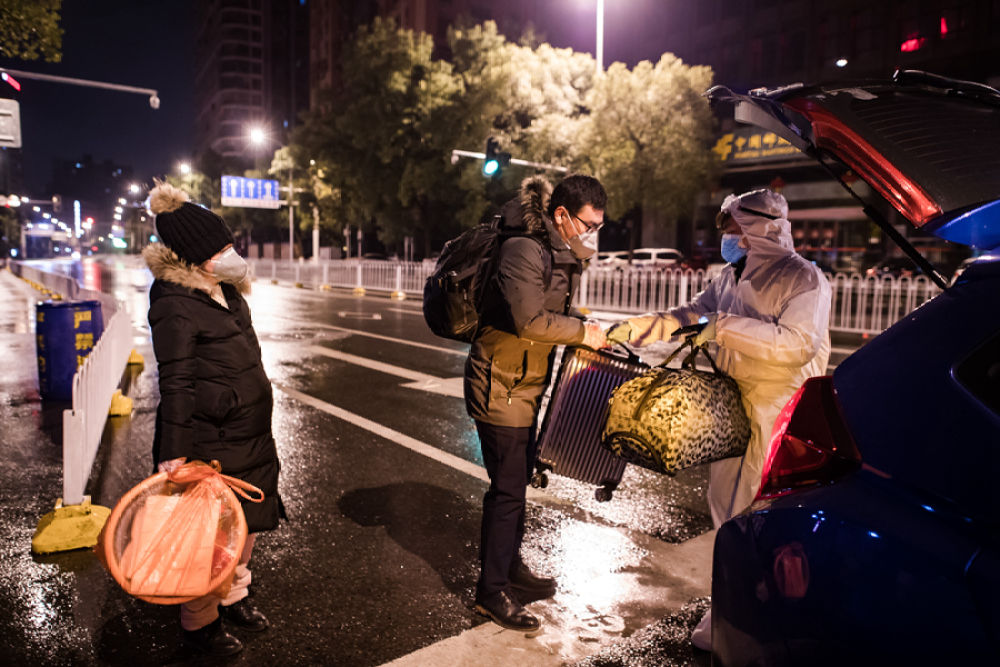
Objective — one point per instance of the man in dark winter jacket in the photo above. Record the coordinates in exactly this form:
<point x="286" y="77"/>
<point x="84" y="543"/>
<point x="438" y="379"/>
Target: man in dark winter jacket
<point x="215" y="399"/>
<point x="525" y="315"/>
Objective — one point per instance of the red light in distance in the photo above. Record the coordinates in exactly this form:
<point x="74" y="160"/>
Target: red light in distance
<point x="14" y="83"/>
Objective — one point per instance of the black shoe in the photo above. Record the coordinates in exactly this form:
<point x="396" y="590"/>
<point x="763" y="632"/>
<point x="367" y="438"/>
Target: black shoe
<point x="528" y="586"/>
<point x="245" y="615"/>
<point x="212" y="640"/>
<point x="507" y="612"/>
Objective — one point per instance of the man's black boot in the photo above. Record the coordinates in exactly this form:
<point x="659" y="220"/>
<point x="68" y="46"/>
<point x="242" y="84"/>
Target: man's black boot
<point x="527" y="586"/>
<point x="245" y="615"/>
<point x="212" y="640"/>
<point x="507" y="612"/>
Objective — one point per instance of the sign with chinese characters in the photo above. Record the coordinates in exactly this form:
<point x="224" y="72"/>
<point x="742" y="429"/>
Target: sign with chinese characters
<point x="249" y="192"/>
<point x="753" y="145"/>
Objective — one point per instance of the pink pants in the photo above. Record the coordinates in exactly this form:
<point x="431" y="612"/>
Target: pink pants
<point x="200" y="612"/>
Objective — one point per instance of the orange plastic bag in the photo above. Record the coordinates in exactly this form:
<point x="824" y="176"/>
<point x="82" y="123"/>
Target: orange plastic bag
<point x="177" y="536"/>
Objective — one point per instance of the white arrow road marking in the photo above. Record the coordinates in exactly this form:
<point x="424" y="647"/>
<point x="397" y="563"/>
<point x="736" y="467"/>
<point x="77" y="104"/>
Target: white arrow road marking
<point x="422" y="381"/>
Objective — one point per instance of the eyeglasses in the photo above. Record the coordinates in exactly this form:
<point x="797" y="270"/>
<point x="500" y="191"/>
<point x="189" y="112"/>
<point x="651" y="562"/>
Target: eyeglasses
<point x="590" y="226"/>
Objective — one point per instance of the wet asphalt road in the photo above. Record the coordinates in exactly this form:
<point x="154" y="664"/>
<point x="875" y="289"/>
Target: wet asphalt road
<point x="379" y="558"/>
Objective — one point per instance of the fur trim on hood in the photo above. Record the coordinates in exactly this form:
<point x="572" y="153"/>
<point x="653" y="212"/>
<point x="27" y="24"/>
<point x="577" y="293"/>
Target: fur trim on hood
<point x="165" y="265"/>
<point x="534" y="198"/>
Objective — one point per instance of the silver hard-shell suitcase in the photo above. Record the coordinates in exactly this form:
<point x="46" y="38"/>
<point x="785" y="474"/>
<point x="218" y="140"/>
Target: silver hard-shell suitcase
<point x="569" y="442"/>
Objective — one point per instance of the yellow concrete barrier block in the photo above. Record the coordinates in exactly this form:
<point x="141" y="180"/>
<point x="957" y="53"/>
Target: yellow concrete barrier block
<point x="359" y="291"/>
<point x="325" y="288"/>
<point x="70" y="527"/>
<point x="399" y="296"/>
<point x="299" y="285"/>
<point x="584" y="310"/>
<point x="121" y="406"/>
<point x="274" y="282"/>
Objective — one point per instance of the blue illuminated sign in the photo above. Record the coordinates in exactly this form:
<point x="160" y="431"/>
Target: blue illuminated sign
<point x="249" y="192"/>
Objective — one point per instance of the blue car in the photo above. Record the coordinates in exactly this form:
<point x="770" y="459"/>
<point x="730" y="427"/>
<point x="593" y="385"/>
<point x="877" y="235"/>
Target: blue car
<point x="875" y="537"/>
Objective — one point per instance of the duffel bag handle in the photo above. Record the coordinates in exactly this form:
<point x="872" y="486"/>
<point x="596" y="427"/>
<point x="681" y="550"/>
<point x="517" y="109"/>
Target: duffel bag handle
<point x="689" y="333"/>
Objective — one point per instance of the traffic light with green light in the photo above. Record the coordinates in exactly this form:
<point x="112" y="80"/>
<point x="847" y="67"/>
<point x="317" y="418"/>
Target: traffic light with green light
<point x="495" y="159"/>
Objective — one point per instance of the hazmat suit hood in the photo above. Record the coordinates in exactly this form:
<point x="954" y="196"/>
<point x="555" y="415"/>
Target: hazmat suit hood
<point x="763" y="217"/>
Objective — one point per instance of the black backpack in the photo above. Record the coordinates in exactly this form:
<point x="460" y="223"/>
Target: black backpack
<point x="454" y="293"/>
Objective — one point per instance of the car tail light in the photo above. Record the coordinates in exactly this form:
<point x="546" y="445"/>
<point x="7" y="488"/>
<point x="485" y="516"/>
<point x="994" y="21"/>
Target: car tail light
<point x="833" y="135"/>
<point x="810" y="444"/>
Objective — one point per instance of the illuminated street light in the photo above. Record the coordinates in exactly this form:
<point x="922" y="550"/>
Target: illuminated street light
<point x="134" y="188"/>
<point x="842" y="62"/>
<point x="257" y="136"/>
<point x="118" y="209"/>
<point x="185" y="168"/>
<point x="600" y="36"/>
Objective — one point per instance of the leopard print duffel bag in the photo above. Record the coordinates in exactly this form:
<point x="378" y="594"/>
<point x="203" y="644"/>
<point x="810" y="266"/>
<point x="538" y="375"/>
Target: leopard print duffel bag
<point x="668" y="419"/>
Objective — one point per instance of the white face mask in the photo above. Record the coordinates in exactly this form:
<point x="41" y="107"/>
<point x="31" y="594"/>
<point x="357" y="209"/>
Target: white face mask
<point x="583" y="246"/>
<point x="229" y="267"/>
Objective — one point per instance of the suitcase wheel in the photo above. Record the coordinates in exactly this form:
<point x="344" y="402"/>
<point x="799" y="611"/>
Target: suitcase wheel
<point x="539" y="480"/>
<point x="603" y="494"/>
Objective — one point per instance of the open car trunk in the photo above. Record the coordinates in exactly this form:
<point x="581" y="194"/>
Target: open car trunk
<point x="929" y="145"/>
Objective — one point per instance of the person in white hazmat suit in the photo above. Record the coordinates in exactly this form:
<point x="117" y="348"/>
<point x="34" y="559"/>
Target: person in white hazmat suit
<point x="769" y="314"/>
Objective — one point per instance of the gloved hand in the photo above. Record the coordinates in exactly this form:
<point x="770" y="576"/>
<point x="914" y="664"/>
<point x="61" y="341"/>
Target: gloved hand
<point x="651" y="328"/>
<point x="619" y="333"/>
<point x="171" y="465"/>
<point x="593" y="336"/>
<point x="708" y="333"/>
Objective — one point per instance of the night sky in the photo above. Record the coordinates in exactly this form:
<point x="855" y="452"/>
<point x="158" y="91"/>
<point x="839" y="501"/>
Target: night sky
<point x="143" y="44"/>
<point x="151" y="45"/>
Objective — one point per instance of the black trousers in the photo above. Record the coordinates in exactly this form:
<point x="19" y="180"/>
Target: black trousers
<point x="509" y="456"/>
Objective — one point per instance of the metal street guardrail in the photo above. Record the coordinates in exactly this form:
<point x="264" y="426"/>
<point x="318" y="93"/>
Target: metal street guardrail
<point x="859" y="304"/>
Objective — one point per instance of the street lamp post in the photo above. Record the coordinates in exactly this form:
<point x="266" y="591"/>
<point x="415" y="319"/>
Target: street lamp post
<point x="600" y="36"/>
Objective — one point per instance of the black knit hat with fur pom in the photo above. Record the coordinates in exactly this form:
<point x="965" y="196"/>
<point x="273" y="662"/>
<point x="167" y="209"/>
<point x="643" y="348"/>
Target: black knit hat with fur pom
<point x="193" y="232"/>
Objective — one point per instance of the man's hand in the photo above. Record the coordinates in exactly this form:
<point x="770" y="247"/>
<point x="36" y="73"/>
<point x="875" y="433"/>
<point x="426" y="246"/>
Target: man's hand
<point x="593" y="336"/>
<point x="619" y="333"/>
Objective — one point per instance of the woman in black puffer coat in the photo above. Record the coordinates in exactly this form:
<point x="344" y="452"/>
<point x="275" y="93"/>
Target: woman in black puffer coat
<point x="215" y="399"/>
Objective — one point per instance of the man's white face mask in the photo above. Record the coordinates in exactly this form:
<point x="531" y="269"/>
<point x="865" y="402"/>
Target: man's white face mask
<point x="229" y="267"/>
<point x="583" y="246"/>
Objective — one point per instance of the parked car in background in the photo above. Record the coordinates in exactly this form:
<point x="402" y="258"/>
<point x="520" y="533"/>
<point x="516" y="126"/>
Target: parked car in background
<point x="612" y="258"/>
<point x="657" y="257"/>
<point x="894" y="267"/>
<point x="875" y="537"/>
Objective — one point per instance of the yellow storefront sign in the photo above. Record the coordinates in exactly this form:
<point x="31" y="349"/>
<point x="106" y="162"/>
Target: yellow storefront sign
<point x="748" y="146"/>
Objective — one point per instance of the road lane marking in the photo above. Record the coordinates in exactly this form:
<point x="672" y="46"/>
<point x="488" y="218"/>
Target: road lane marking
<point x="422" y="381"/>
<point x="414" y="445"/>
<point x="402" y="439"/>
<point x="359" y="332"/>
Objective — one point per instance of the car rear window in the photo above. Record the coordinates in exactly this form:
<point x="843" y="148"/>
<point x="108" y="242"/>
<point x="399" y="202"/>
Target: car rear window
<point x="949" y="145"/>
